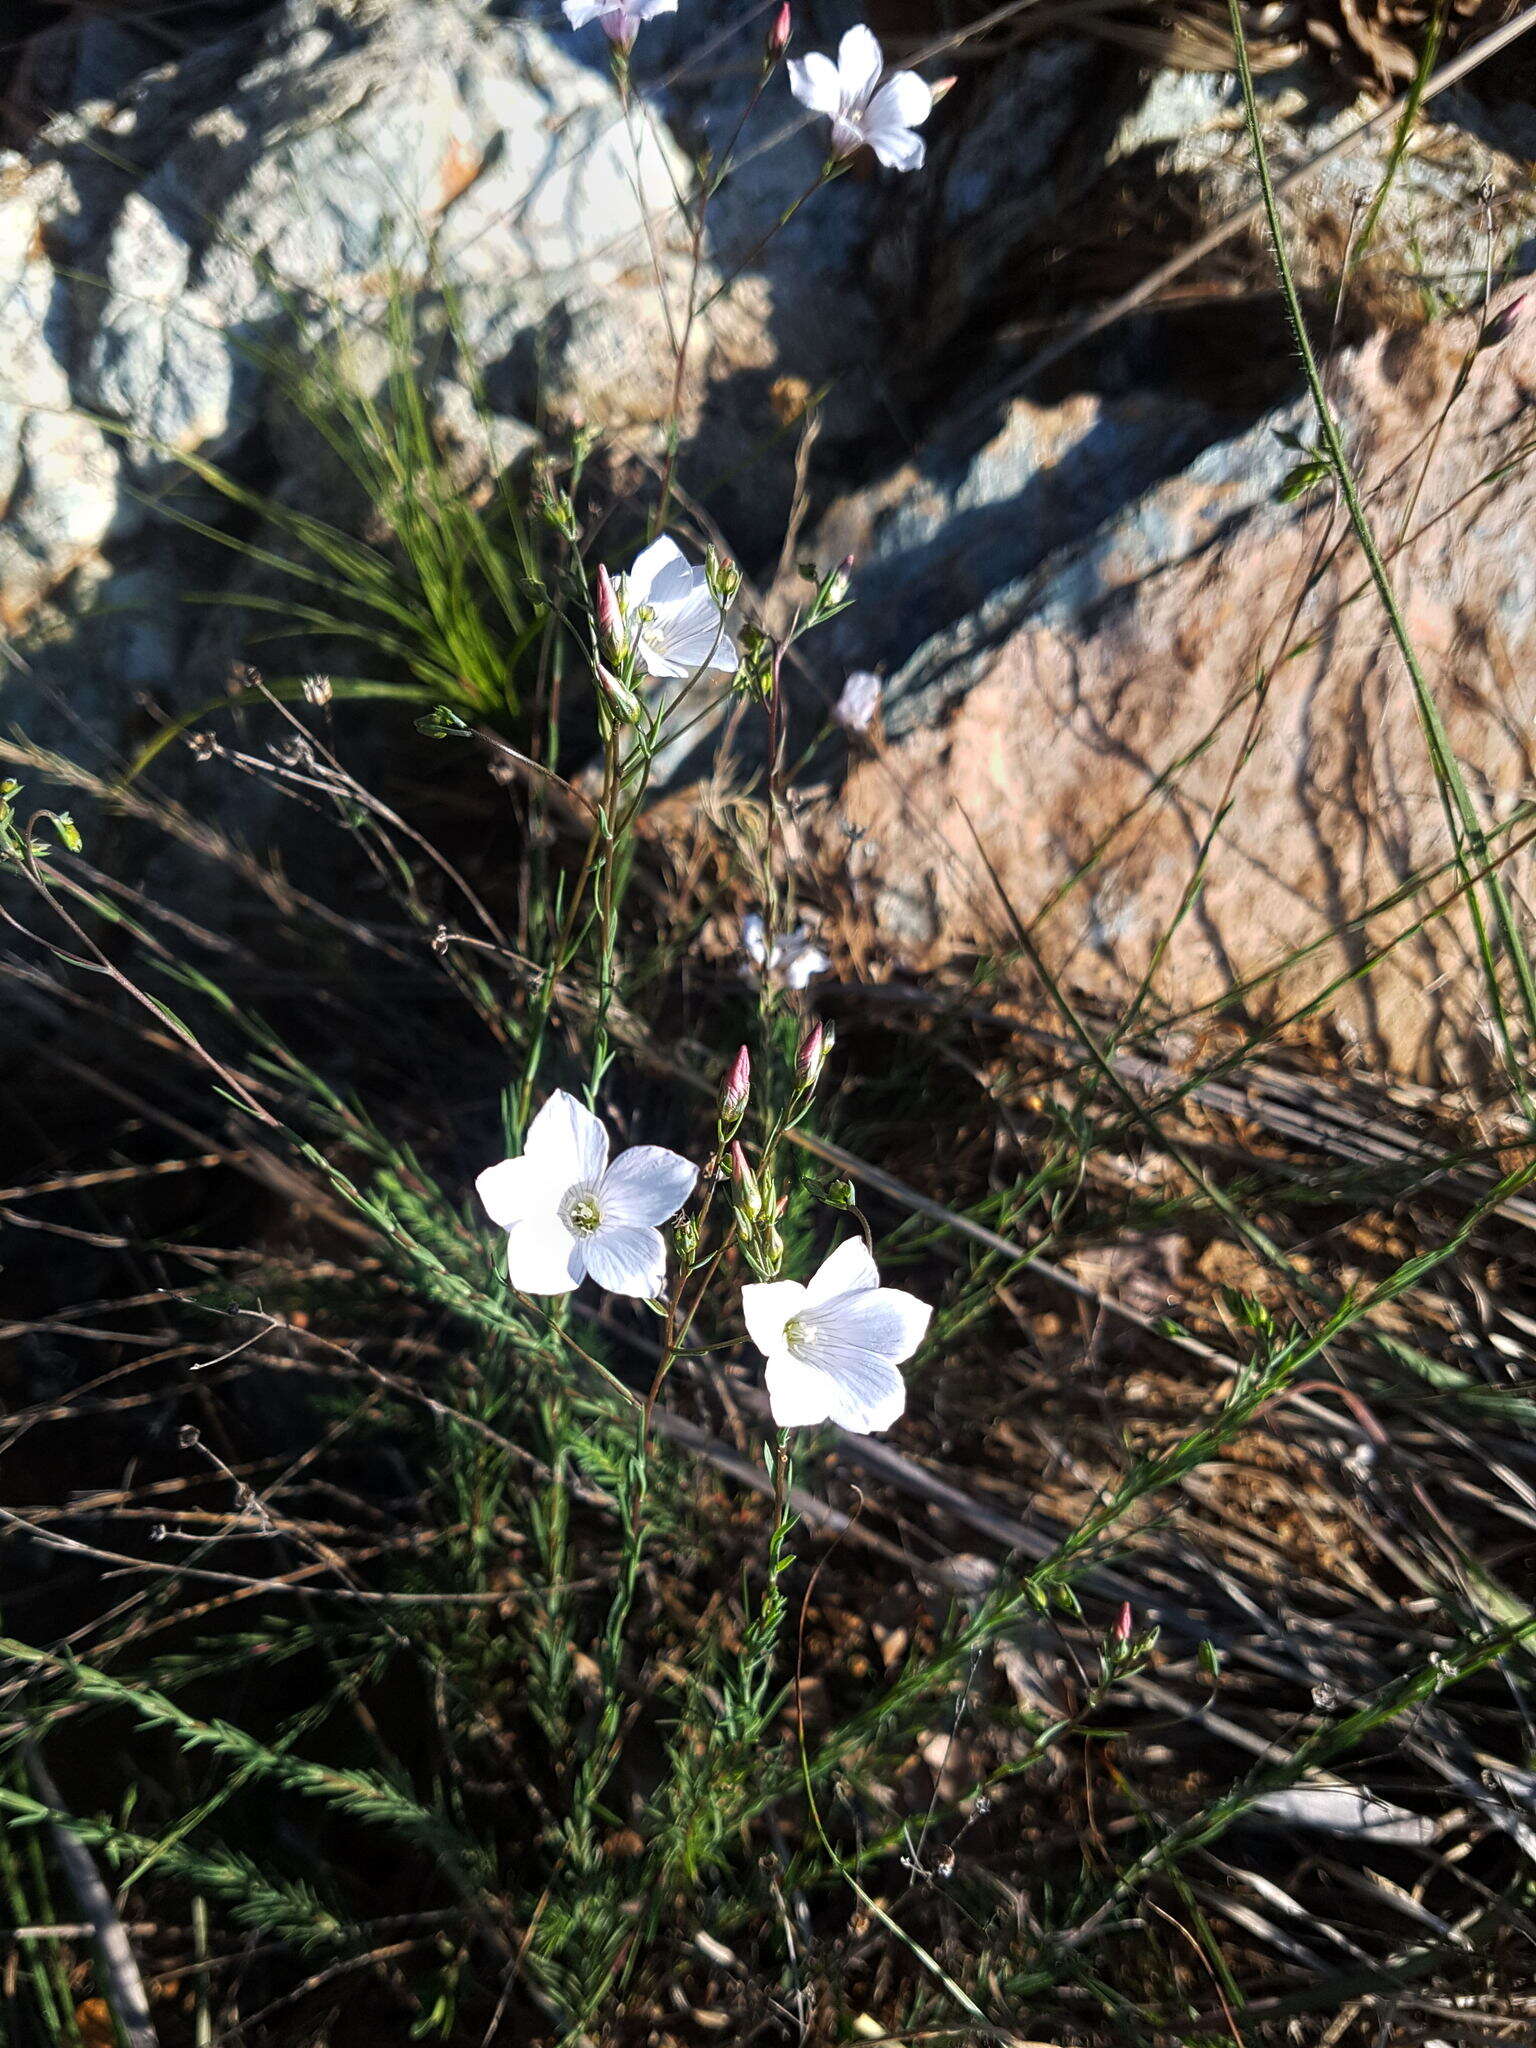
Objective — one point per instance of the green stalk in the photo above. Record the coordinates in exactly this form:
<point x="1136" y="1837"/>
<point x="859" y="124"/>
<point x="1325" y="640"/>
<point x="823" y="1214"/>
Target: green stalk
<point x="1467" y="833"/>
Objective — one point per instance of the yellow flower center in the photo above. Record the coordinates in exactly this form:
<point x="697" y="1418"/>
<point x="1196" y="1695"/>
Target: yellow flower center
<point x="579" y="1212"/>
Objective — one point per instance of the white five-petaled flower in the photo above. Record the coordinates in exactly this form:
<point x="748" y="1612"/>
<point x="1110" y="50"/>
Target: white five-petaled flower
<point x="621" y="19"/>
<point x="833" y="1347"/>
<point x="673" y="626"/>
<point x="856" y="707"/>
<point x="861" y="108"/>
<point x="568" y="1213"/>
<point x="789" y="957"/>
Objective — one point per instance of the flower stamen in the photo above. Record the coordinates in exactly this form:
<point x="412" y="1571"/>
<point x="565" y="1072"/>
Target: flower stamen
<point x="580" y="1213"/>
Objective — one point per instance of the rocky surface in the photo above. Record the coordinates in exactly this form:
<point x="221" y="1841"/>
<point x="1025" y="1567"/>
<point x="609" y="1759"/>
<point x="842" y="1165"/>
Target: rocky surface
<point x="266" y="194"/>
<point x="1075" y="587"/>
<point x="156" y="248"/>
<point x="1100" y="715"/>
<point x="1458" y="202"/>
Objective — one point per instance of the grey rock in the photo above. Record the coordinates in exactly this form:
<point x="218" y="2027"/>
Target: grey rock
<point x="59" y="472"/>
<point x="934" y="541"/>
<point x="1188" y="133"/>
<point x="154" y="253"/>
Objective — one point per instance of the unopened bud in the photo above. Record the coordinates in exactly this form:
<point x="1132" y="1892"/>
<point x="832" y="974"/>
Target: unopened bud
<point x="841" y="1193"/>
<point x="815" y="1049"/>
<point x="620" y="698"/>
<point x="836" y="589"/>
<point x="736" y="1087"/>
<point x="610" y="620"/>
<point x="685" y="1237"/>
<point x="941" y="88"/>
<point x="1125" y="1621"/>
<point x="749" y="1196"/>
<point x="722" y="576"/>
<point x="779" y="34"/>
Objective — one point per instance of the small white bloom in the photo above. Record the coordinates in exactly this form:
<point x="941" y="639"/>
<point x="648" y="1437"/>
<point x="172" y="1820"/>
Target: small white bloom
<point x="861" y="108"/>
<point x="568" y="1213"/>
<point x="860" y="700"/>
<point x="621" y="19"/>
<point x="833" y="1347"/>
<point x="790" y="958"/>
<point x="674" y="626"/>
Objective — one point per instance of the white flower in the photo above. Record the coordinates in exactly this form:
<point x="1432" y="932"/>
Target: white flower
<point x="568" y="1213"/>
<point x="621" y="19"/>
<point x="859" y="107"/>
<point x="674" y="626"/>
<point x="833" y="1347"/>
<point x="860" y="700"/>
<point x="791" y="958"/>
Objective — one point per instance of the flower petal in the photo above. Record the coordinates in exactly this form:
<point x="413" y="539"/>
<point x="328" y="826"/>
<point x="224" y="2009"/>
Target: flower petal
<point x="694" y="611"/>
<point x="880" y="1323"/>
<point x="516" y="1190"/>
<point x="656" y="660"/>
<point x="897" y="148"/>
<point x="568" y="1144"/>
<point x="766" y="1306"/>
<point x="543" y="1257"/>
<point x="579" y="12"/>
<point x="860" y="700"/>
<point x="860" y="62"/>
<point x="814" y="82"/>
<point x="798" y="1395"/>
<point x="867" y="1397"/>
<point x="803" y="963"/>
<point x="754" y="938"/>
<point x="904" y="101"/>
<point x="660" y="574"/>
<point x="646" y="1184"/>
<point x="627" y="1258"/>
<point x="848" y="1270"/>
<point x="699" y="643"/>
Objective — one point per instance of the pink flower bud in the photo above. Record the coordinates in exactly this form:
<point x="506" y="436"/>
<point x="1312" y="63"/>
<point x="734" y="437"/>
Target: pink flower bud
<point x="736" y="1086"/>
<point x="941" y="87"/>
<point x="622" y="701"/>
<point x="779" y="34"/>
<point x="1124" y="1623"/>
<point x="610" y="620"/>
<point x="749" y="1196"/>
<point x="815" y="1049"/>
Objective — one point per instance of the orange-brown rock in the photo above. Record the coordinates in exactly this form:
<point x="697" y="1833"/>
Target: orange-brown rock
<point x="1212" y="668"/>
